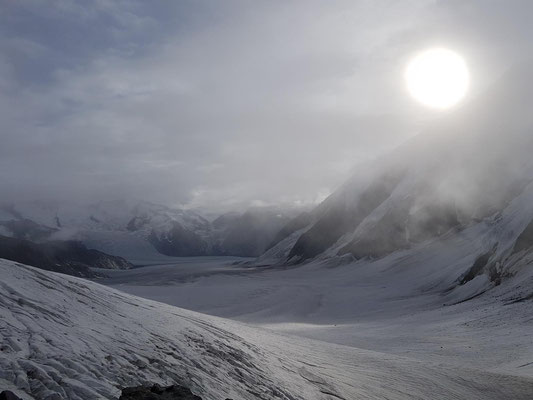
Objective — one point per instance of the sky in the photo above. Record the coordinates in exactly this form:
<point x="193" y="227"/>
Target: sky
<point x="222" y="105"/>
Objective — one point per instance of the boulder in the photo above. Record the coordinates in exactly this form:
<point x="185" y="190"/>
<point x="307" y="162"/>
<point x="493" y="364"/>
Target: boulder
<point x="156" y="392"/>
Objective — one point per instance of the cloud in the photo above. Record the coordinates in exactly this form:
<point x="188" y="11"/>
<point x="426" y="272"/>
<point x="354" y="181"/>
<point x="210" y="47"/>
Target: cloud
<point x="218" y="104"/>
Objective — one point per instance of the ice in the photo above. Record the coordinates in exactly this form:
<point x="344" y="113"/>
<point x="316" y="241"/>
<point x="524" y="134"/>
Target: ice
<point x="82" y="340"/>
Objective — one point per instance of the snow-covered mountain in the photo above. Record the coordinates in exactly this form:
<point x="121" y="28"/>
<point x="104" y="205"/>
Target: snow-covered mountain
<point x="124" y="228"/>
<point x="467" y="177"/>
<point x="66" y="338"/>
<point x="391" y="274"/>
<point x="139" y="230"/>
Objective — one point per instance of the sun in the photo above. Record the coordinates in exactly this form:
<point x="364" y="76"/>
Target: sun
<point x="437" y="78"/>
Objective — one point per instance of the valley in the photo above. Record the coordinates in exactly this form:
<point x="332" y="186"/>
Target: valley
<point x="68" y="337"/>
<point x="351" y="305"/>
<point x="269" y="200"/>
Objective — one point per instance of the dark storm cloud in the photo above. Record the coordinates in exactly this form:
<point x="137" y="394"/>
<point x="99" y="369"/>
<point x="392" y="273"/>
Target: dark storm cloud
<point x="220" y="104"/>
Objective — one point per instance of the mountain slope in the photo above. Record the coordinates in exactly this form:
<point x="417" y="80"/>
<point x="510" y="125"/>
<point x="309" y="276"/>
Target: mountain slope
<point x="69" y="338"/>
<point x="247" y="234"/>
<point x="140" y="231"/>
<point x="464" y="172"/>
<point x="67" y="257"/>
<point x="114" y="227"/>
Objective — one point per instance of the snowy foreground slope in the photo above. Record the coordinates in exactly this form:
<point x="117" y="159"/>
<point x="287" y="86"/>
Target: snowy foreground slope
<point x="63" y="337"/>
<point x="399" y="305"/>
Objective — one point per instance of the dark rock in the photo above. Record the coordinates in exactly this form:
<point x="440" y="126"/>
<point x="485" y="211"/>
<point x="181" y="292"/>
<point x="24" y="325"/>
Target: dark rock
<point x="9" y="395"/>
<point x="399" y="228"/>
<point x="525" y="239"/>
<point x="156" y="392"/>
<point x="178" y="242"/>
<point x="76" y="252"/>
<point x="137" y="223"/>
<point x="295" y="224"/>
<point x="248" y="234"/>
<point x="339" y="215"/>
<point x="479" y="266"/>
<point x="68" y="257"/>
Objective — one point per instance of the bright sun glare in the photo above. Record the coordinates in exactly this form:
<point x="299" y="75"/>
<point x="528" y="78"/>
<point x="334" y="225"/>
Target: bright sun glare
<point x="437" y="78"/>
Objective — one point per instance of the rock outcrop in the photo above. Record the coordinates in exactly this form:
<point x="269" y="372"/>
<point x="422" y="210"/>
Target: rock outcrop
<point x="156" y="392"/>
<point x="8" y="395"/>
<point x="68" y="257"/>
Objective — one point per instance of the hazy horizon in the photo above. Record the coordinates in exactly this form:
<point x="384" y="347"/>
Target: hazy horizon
<point x="173" y="103"/>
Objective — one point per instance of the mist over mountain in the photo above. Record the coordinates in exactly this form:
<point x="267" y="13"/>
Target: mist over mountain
<point x="173" y="104"/>
<point x="304" y="200"/>
<point x="139" y="230"/>
<point x="466" y="173"/>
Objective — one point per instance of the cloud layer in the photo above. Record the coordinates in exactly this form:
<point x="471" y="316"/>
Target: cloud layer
<point x="223" y="104"/>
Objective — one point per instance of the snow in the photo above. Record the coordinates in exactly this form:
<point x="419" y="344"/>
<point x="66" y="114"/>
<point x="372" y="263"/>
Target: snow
<point x="104" y="225"/>
<point x="398" y="327"/>
<point x="81" y="340"/>
<point x="105" y="215"/>
<point x="132" y="246"/>
<point x="407" y="304"/>
<point x="138" y="230"/>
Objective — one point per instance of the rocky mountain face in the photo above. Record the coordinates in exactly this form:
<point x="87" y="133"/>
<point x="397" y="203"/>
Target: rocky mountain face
<point x="470" y="172"/>
<point x="68" y="257"/>
<point x="156" y="392"/>
<point x="8" y="395"/>
<point x="247" y="234"/>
